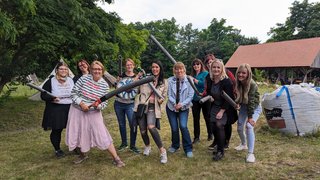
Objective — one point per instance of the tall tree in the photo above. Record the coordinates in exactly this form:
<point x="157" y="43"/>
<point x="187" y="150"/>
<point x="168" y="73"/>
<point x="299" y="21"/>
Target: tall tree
<point x="222" y="40"/>
<point x="37" y="33"/>
<point x="188" y="48"/>
<point x="304" y="22"/>
<point x="166" y="33"/>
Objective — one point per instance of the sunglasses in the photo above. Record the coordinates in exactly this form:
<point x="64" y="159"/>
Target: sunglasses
<point x="196" y="64"/>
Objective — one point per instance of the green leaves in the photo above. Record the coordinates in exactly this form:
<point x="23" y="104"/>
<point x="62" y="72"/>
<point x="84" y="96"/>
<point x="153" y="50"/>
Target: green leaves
<point x="304" y="22"/>
<point x="37" y="33"/>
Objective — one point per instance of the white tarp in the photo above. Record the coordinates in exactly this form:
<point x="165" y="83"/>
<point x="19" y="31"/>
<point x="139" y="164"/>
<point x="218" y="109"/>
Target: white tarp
<point x="293" y="109"/>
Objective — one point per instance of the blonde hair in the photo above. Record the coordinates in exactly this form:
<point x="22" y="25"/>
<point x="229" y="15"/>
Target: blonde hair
<point x="223" y="69"/>
<point x="242" y="88"/>
<point x="179" y="65"/>
<point x="97" y="63"/>
<point x="130" y="60"/>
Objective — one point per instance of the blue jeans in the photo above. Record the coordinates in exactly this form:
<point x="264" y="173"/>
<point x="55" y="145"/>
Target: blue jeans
<point x="243" y="116"/>
<point x="123" y="110"/>
<point x="176" y="120"/>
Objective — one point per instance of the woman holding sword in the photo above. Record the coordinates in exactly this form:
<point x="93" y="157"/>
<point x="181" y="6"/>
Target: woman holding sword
<point x="58" y="102"/>
<point x="151" y="117"/>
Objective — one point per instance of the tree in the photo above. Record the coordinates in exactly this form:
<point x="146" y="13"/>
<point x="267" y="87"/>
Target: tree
<point x="304" y="22"/>
<point x="222" y="40"/>
<point x="188" y="48"/>
<point x="37" y="33"/>
<point x="166" y="33"/>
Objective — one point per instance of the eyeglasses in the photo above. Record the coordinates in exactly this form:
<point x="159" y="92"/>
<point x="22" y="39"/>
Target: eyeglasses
<point x="82" y="65"/>
<point x="96" y="69"/>
<point x="196" y="63"/>
<point x="62" y="69"/>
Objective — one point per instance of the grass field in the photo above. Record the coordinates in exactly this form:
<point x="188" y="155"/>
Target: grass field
<point x="26" y="152"/>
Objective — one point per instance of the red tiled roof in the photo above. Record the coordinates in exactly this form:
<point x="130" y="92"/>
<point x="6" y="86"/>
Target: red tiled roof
<point x="293" y="53"/>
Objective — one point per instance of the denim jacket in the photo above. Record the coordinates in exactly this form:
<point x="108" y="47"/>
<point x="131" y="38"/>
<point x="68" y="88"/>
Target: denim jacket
<point x="186" y="93"/>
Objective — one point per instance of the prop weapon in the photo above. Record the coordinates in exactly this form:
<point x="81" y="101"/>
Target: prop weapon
<point x="172" y="59"/>
<point x="150" y="84"/>
<point x="39" y="89"/>
<point x="163" y="49"/>
<point x="120" y="65"/>
<point x="126" y="87"/>
<point x="110" y="78"/>
<point x="205" y="99"/>
<point x="193" y="86"/>
<point x="229" y="99"/>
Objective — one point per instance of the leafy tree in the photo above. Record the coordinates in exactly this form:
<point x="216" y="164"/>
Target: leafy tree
<point x="304" y="22"/>
<point x="165" y="32"/>
<point x="37" y="33"/>
<point x="185" y="43"/>
<point x="188" y="48"/>
<point x="222" y="40"/>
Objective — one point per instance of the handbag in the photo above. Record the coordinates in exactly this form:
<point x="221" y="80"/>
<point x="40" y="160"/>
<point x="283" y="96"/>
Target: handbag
<point x="140" y="111"/>
<point x="142" y="108"/>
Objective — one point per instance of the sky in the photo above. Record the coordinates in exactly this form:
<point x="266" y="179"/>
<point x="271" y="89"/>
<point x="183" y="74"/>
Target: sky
<point x="253" y="17"/>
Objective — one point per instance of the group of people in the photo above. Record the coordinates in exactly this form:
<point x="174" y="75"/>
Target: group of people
<point x="71" y="107"/>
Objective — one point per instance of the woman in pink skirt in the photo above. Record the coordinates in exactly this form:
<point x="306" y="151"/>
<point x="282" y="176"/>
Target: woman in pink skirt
<point x="85" y="128"/>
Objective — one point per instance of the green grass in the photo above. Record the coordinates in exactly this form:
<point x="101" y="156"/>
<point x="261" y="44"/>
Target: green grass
<point x="26" y="152"/>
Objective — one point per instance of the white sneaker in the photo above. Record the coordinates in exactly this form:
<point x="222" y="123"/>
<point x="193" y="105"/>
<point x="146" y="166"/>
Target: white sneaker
<point x="241" y="147"/>
<point x="251" y="158"/>
<point x="163" y="157"/>
<point x="147" y="150"/>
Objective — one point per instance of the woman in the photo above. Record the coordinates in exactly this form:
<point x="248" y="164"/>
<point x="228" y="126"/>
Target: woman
<point x="82" y="68"/>
<point x="199" y="73"/>
<point x="153" y="110"/>
<point x="231" y="112"/>
<point x="123" y="106"/>
<point x="85" y="127"/>
<point x="56" y="111"/>
<point x="217" y="83"/>
<point x="180" y="94"/>
<point x="249" y="108"/>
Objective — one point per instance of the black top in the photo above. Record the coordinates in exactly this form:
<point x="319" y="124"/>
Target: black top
<point x="225" y="85"/>
<point x="55" y="115"/>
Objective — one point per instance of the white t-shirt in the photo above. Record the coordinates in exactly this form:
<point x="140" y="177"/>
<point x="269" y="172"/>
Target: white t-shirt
<point x="62" y="90"/>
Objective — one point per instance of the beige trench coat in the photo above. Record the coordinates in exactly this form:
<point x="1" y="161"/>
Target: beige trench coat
<point x="145" y="91"/>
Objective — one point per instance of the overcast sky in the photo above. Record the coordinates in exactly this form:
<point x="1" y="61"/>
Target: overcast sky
<point x="253" y="17"/>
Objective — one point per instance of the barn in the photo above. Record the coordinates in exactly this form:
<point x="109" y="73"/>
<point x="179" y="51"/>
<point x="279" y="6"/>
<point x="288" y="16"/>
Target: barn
<point x="289" y="61"/>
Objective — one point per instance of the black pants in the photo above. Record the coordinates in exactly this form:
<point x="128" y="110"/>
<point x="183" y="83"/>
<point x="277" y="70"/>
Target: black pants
<point x="219" y="134"/>
<point x="228" y="132"/>
<point x="55" y="138"/>
<point x="196" y="109"/>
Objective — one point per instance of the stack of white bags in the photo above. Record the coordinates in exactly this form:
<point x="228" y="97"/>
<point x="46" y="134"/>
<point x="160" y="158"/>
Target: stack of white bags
<point x="293" y="109"/>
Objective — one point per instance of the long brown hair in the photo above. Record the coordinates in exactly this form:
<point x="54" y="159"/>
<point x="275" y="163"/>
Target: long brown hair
<point x="242" y="88"/>
<point x="193" y="72"/>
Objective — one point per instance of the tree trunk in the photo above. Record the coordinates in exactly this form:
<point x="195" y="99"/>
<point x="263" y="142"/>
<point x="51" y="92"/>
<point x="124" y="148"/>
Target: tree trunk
<point x="3" y="82"/>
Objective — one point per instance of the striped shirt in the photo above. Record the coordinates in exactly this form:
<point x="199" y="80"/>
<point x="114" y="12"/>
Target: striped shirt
<point x="87" y="90"/>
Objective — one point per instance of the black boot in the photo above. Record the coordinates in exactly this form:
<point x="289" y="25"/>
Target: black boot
<point x="218" y="156"/>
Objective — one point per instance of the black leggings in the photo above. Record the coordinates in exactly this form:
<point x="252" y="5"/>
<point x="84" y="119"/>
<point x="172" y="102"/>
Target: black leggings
<point x="196" y="109"/>
<point x="219" y="134"/>
<point x="55" y="138"/>
<point x="228" y="132"/>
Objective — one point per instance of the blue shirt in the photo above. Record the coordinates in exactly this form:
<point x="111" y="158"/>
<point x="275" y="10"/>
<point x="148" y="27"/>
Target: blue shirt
<point x="201" y="77"/>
